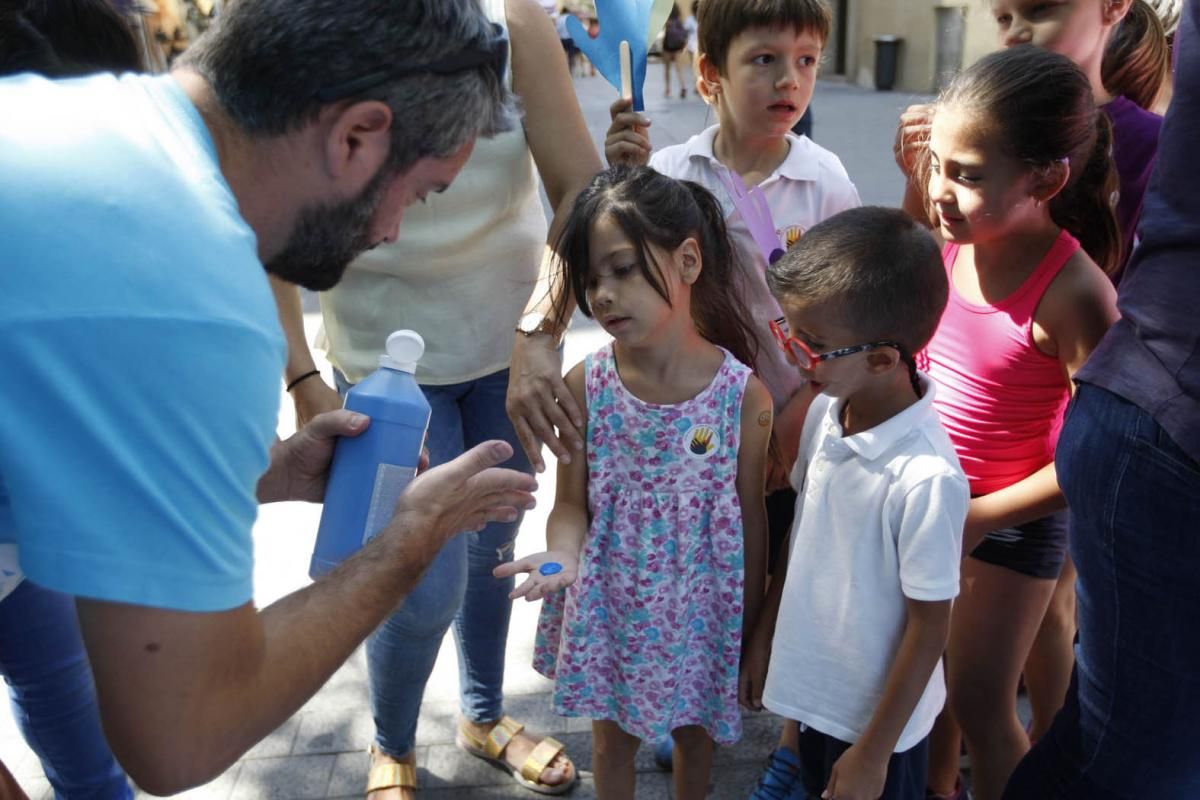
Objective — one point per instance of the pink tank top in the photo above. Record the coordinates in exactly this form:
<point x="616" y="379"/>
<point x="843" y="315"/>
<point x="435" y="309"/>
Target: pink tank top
<point x="1001" y="399"/>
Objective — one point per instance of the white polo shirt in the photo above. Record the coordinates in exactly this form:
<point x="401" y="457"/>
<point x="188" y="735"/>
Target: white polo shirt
<point x="810" y="185"/>
<point x="879" y="519"/>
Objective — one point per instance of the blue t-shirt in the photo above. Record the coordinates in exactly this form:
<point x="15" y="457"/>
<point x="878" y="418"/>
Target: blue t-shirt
<point x="139" y="343"/>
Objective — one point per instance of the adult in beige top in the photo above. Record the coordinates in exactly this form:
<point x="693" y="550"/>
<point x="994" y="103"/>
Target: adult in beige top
<point x="460" y="273"/>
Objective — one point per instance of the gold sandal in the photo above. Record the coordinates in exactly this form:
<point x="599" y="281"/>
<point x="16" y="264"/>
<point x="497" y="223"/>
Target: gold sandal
<point x="529" y="775"/>
<point x="390" y="776"/>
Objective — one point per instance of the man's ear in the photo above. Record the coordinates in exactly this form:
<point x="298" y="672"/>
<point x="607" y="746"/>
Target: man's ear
<point x="358" y="139"/>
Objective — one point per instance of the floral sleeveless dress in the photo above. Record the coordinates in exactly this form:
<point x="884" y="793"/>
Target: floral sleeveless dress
<point x="649" y="635"/>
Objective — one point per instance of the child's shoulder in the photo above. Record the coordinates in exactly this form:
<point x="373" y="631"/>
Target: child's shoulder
<point x="808" y="161"/>
<point x="927" y="455"/>
<point x="688" y="160"/>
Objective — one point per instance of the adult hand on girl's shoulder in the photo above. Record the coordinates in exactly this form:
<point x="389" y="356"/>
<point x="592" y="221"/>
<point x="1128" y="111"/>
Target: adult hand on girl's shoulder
<point x="537" y="585"/>
<point x="856" y="776"/>
<point x="540" y="400"/>
<point x="626" y="141"/>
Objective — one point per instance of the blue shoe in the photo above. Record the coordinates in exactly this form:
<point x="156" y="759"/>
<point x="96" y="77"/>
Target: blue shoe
<point x="663" y="752"/>
<point x="781" y="779"/>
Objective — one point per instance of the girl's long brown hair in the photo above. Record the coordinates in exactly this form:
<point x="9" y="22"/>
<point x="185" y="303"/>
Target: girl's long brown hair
<point x="651" y="208"/>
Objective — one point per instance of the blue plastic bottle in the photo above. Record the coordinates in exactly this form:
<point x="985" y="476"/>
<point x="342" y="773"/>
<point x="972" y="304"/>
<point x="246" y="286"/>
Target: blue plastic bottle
<point x="369" y="471"/>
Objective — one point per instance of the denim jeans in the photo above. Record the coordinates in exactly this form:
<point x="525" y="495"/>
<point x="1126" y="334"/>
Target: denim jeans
<point x="53" y="695"/>
<point x="1128" y="727"/>
<point x="459" y="587"/>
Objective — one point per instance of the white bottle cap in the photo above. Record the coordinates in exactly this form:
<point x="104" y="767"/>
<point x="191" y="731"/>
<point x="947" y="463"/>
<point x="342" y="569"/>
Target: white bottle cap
<point x="404" y="350"/>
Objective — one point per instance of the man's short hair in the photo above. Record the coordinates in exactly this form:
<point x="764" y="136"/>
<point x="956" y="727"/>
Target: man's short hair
<point x="877" y="269"/>
<point x="268" y="60"/>
<point x="62" y="38"/>
<point x="720" y="21"/>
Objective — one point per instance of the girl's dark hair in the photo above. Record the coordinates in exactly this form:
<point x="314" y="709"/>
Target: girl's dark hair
<point x="1041" y="107"/>
<point x="652" y="209"/>
<point x="61" y="38"/>
<point x="1137" y="56"/>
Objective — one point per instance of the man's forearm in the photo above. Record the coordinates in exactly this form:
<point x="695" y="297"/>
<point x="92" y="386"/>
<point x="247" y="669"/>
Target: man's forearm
<point x="193" y="697"/>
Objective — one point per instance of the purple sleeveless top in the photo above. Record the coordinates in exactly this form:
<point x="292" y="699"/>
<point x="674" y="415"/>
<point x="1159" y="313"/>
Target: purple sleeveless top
<point x="1135" y="142"/>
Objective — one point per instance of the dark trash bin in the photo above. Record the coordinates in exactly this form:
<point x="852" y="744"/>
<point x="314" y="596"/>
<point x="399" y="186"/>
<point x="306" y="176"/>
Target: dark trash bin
<point x="887" y="61"/>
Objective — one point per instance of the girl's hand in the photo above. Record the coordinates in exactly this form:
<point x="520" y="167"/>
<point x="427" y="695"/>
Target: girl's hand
<point x="912" y="136"/>
<point x="753" y="673"/>
<point x="856" y="776"/>
<point x="626" y="142"/>
<point x="537" y="585"/>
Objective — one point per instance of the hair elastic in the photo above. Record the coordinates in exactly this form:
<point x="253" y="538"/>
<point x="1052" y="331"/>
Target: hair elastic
<point x="303" y="377"/>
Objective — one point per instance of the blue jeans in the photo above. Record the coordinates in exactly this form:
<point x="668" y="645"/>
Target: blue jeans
<point x="906" y="772"/>
<point x="1128" y="727"/>
<point x="459" y="587"/>
<point x="53" y="695"/>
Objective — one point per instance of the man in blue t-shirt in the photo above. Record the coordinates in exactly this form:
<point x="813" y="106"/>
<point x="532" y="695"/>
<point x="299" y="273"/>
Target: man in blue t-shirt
<point x="142" y="349"/>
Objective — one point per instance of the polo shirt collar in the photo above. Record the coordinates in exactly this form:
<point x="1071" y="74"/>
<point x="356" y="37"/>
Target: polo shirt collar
<point x="799" y="165"/>
<point x="876" y="442"/>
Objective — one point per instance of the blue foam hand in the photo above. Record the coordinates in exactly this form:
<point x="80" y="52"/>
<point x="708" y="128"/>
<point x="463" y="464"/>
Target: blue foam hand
<point x="619" y="20"/>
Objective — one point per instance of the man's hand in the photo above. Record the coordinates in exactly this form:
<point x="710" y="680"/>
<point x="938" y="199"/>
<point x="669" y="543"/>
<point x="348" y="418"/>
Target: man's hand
<point x="313" y="397"/>
<point x="856" y="776"/>
<point x="538" y="401"/>
<point x="461" y="495"/>
<point x="300" y="464"/>
<point x="537" y="585"/>
<point x="626" y="141"/>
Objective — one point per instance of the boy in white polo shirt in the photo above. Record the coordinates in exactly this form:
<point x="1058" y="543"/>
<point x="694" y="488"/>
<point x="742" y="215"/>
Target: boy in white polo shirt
<point x="855" y="626"/>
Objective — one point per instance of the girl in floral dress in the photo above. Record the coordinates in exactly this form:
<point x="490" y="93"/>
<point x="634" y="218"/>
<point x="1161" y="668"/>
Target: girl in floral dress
<point x="655" y="554"/>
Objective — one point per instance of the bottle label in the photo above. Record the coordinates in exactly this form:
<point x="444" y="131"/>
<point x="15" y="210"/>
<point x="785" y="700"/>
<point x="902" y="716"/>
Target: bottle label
<point x="390" y="482"/>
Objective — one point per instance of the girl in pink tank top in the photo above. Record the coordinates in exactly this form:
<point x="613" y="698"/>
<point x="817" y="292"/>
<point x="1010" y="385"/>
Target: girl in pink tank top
<point x="1018" y="174"/>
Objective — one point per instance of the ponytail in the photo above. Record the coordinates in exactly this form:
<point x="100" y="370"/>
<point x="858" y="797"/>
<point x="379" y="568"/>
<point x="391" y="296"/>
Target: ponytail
<point x="1137" y="56"/>
<point x="1041" y="106"/>
<point x="720" y="313"/>
<point x="1085" y="206"/>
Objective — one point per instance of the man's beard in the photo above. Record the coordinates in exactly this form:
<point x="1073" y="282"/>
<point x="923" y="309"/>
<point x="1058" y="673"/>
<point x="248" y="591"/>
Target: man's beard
<point x="328" y="236"/>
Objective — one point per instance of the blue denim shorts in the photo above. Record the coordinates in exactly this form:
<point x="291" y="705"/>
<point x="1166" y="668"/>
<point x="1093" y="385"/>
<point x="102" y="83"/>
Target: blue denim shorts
<point x="1037" y="549"/>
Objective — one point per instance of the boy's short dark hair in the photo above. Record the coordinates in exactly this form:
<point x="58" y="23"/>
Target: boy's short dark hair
<point x="877" y="267"/>
<point x="720" y="21"/>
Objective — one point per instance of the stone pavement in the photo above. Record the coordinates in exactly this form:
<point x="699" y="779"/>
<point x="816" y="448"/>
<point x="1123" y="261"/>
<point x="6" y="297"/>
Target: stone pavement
<point x="320" y="752"/>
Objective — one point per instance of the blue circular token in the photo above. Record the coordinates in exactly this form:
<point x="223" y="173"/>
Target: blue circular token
<point x="550" y="568"/>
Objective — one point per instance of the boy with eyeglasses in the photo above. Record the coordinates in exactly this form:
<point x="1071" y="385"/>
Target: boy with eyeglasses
<point x="850" y="638"/>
